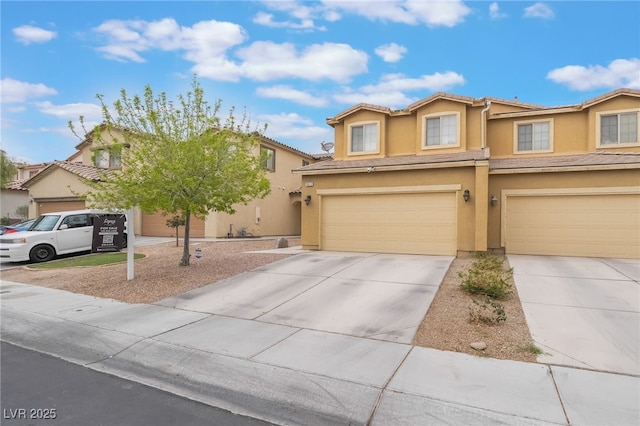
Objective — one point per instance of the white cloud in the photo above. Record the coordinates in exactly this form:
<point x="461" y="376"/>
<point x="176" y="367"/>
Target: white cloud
<point x="539" y="10"/>
<point x="267" y="20"/>
<point x="619" y="73"/>
<point x="303" y="15"/>
<point x="390" y="91"/>
<point x="14" y="91"/>
<point x="391" y="52"/>
<point x="292" y="126"/>
<point x="26" y="34"/>
<point x="71" y="111"/>
<point x="494" y="11"/>
<point x="265" y="60"/>
<point x="205" y="43"/>
<point x="290" y="94"/>
<point x="413" y="12"/>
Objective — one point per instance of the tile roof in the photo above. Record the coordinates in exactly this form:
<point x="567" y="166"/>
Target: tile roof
<point x="576" y="160"/>
<point x="81" y="170"/>
<point x="401" y="160"/>
<point x="16" y="184"/>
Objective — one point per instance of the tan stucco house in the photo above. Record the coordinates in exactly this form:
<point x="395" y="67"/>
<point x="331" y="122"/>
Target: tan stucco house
<point x="452" y="174"/>
<point x="60" y="185"/>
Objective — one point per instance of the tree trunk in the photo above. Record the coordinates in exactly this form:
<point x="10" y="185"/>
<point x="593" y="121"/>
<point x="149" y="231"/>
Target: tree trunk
<point x="187" y="230"/>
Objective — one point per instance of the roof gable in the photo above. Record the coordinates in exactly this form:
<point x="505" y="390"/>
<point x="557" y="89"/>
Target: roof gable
<point x="83" y="171"/>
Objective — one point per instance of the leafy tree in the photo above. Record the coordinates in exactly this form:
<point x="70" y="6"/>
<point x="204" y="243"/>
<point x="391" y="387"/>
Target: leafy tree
<point x="177" y="158"/>
<point x="8" y="170"/>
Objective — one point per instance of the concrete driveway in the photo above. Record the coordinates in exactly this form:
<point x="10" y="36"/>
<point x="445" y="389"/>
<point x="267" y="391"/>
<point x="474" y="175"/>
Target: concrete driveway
<point x="378" y="296"/>
<point x="582" y="312"/>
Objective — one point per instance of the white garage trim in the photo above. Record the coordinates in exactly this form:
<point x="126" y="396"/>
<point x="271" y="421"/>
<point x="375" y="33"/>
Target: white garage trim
<point x="391" y="190"/>
<point x="601" y="215"/>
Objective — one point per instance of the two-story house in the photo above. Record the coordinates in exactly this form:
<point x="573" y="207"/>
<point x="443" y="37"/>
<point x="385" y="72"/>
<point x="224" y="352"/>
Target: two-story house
<point x="453" y="174"/>
<point x="59" y="187"/>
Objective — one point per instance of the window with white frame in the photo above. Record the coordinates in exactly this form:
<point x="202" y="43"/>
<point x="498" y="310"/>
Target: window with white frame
<point x="441" y="130"/>
<point x="533" y="136"/>
<point x="363" y="138"/>
<point x="268" y="158"/>
<point x="108" y="158"/>
<point x="619" y="128"/>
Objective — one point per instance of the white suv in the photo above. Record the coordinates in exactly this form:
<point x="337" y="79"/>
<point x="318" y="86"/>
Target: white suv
<point x="50" y="235"/>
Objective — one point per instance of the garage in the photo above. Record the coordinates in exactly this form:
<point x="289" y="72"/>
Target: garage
<point x="423" y="223"/>
<point x="59" y="206"/>
<point x="592" y="225"/>
<point x="155" y="225"/>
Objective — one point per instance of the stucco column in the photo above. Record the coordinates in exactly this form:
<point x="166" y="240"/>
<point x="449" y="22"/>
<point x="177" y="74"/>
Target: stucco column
<point x="481" y="200"/>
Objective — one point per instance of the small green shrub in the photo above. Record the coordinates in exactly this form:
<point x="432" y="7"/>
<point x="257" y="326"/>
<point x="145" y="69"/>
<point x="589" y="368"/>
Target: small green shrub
<point x="487" y="311"/>
<point x="487" y="277"/>
<point x="532" y="349"/>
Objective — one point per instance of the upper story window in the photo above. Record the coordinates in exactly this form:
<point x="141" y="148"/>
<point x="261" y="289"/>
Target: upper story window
<point x="268" y="158"/>
<point x="619" y="128"/>
<point x="305" y="163"/>
<point x="108" y="159"/>
<point x="363" y="138"/>
<point x="441" y="131"/>
<point x="536" y="136"/>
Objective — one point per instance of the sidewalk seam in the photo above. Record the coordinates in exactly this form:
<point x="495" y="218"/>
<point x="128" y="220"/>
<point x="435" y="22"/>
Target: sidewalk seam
<point x="555" y="385"/>
<point x="374" y="410"/>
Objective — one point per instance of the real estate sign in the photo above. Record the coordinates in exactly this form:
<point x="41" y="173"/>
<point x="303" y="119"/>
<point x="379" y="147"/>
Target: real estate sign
<point x="108" y="233"/>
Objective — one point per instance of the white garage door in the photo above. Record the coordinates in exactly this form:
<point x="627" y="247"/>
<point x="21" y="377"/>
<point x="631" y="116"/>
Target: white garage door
<point x="574" y="225"/>
<point x="391" y="223"/>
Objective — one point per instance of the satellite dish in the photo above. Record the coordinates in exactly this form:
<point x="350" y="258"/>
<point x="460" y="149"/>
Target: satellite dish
<point x="327" y="146"/>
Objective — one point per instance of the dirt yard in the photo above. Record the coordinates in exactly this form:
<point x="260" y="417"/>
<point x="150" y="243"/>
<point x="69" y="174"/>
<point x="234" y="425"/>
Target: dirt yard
<point x="158" y="276"/>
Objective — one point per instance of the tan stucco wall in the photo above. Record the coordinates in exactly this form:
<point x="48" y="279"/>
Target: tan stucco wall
<point x="464" y="176"/>
<point x="618" y="104"/>
<point x="570" y="134"/>
<point x="278" y="212"/>
<point x="88" y="149"/>
<point x="58" y="184"/>
<point x="341" y="148"/>
<point x="584" y="179"/>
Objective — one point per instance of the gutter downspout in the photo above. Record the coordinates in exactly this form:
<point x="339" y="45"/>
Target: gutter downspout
<point x="483" y="119"/>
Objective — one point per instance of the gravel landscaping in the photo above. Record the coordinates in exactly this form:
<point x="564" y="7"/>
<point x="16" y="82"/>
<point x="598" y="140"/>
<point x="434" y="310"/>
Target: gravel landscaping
<point x="158" y="276"/>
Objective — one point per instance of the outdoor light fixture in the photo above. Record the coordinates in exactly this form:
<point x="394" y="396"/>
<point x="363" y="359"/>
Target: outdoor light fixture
<point x="466" y="195"/>
<point x="307" y="200"/>
<point x="494" y="200"/>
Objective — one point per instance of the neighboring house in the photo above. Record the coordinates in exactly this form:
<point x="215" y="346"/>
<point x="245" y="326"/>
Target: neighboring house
<point x="26" y="171"/>
<point x="452" y="174"/>
<point x="61" y="184"/>
<point x="13" y="197"/>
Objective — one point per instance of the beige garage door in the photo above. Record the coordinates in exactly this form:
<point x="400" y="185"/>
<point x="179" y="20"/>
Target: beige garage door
<point x="393" y="223"/>
<point x="155" y="225"/>
<point x="574" y="225"/>
<point x="59" y="206"/>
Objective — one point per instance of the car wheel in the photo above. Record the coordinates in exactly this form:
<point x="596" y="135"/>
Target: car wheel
<point x="42" y="253"/>
<point x="124" y="240"/>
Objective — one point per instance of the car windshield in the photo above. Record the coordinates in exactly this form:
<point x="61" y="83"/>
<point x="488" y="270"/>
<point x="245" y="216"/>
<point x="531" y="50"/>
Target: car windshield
<point x="45" y="223"/>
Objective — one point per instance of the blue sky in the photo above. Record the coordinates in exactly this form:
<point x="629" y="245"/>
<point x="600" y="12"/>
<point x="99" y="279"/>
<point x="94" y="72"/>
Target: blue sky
<point x="292" y="64"/>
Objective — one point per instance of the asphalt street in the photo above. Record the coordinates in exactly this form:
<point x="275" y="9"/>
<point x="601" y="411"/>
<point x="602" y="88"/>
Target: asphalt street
<point x="38" y="389"/>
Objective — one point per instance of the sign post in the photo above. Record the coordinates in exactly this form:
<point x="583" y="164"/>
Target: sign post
<point x="131" y="237"/>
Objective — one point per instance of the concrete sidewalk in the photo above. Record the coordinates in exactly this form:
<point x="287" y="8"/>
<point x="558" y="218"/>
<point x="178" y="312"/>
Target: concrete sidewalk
<point x="291" y="375"/>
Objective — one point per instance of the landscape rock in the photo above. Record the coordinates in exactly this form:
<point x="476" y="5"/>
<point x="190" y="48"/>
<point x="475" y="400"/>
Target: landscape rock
<point x="479" y="346"/>
<point x="282" y="243"/>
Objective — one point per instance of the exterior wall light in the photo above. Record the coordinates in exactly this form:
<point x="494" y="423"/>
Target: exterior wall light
<point x="307" y="200"/>
<point x="466" y="195"/>
<point x="494" y="200"/>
